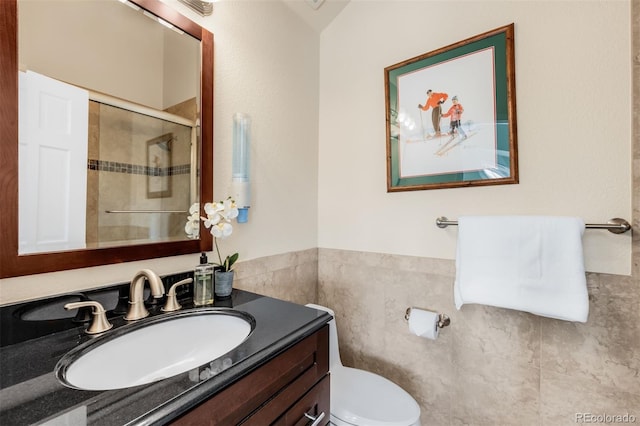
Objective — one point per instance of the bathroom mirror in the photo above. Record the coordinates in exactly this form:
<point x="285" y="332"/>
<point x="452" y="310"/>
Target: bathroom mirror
<point x="154" y="148"/>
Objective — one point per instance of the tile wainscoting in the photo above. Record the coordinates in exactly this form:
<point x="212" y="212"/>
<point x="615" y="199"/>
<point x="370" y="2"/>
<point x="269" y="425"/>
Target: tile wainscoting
<point x="289" y="276"/>
<point x="491" y="366"/>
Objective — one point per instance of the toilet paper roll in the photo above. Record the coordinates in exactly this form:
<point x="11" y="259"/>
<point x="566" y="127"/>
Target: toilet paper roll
<point x="424" y="323"/>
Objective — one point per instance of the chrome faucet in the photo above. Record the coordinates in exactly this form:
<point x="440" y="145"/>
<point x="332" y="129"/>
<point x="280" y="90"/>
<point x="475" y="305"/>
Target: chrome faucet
<point x="137" y="309"/>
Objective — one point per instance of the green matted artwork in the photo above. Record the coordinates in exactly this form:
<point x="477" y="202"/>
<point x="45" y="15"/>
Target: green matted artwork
<point x="451" y="116"/>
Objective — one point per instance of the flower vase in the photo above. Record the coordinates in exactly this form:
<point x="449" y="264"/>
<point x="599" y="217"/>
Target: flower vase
<point x="223" y="283"/>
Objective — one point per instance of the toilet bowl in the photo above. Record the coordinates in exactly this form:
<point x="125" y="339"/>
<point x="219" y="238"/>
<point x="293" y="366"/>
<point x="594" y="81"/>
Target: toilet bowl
<point x="362" y="398"/>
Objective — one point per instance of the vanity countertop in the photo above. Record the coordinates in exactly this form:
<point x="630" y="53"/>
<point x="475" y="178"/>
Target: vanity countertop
<point x="30" y="393"/>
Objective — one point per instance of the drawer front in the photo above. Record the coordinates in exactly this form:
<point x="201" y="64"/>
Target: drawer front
<point x="312" y="409"/>
<point x="268" y="391"/>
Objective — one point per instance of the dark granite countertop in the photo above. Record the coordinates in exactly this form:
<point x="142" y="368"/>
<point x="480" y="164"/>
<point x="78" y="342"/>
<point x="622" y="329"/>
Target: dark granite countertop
<point x="30" y="393"/>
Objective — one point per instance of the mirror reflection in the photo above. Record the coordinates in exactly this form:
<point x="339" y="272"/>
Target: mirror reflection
<point x="108" y="126"/>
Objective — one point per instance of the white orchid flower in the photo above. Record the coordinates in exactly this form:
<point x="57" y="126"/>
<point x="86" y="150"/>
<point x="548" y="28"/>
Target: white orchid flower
<point x="222" y="230"/>
<point x="210" y="208"/>
<point x="192" y="227"/>
<point x="227" y="229"/>
<point x="218" y="220"/>
<point x="230" y="209"/>
<point x="211" y="220"/>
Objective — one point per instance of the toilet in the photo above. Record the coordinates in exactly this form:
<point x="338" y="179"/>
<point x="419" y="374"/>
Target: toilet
<point x="361" y="398"/>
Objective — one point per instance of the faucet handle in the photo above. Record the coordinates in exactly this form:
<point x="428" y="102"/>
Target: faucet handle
<point x="100" y="323"/>
<point x="172" y="300"/>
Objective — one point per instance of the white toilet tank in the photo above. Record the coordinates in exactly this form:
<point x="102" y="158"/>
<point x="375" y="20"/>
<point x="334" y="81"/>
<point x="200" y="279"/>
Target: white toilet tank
<point x="362" y="398"/>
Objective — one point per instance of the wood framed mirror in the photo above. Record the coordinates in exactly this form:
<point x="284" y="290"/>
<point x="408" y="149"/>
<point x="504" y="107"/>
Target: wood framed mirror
<point x="11" y="263"/>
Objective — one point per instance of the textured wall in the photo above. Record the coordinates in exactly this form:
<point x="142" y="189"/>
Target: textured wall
<point x="635" y="113"/>
<point x="491" y="366"/>
<point x="289" y="276"/>
<point x="266" y="65"/>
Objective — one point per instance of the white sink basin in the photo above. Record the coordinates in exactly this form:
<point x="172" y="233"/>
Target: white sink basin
<point x="153" y="349"/>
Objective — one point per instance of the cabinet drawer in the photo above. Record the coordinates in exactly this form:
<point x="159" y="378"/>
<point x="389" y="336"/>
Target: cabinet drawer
<point x="314" y="405"/>
<point x="268" y="391"/>
<point x="297" y="399"/>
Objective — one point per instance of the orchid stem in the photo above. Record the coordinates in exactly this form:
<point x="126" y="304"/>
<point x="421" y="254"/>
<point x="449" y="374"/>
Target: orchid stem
<point x="218" y="250"/>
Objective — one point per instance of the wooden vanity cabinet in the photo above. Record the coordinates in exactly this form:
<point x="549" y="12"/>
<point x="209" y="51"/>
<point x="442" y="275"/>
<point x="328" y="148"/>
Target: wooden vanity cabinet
<point x="280" y="392"/>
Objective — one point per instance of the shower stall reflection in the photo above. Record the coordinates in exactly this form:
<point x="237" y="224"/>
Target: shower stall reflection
<point x="142" y="173"/>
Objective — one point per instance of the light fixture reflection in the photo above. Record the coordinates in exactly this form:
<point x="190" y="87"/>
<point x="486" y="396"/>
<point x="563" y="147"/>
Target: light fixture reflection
<point x="203" y="7"/>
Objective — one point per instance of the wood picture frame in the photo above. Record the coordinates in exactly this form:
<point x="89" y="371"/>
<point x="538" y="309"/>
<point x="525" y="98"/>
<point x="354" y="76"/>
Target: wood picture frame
<point x="451" y="116"/>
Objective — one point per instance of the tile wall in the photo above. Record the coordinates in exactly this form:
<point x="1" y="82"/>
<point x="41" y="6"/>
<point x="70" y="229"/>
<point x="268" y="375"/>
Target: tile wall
<point x="491" y="366"/>
<point x="290" y="276"/>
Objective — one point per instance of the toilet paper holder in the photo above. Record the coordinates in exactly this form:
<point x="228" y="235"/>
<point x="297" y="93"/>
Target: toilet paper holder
<point x="443" y="320"/>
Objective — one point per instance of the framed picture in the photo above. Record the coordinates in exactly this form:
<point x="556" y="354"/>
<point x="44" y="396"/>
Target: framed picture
<point x="451" y="116"/>
<point x="159" y="166"/>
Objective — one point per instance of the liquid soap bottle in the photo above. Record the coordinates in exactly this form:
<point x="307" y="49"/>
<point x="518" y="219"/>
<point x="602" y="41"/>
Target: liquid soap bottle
<point x="203" y="282"/>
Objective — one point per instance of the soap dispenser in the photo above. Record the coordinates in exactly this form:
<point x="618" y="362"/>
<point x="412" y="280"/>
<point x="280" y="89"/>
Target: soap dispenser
<point x="203" y="282"/>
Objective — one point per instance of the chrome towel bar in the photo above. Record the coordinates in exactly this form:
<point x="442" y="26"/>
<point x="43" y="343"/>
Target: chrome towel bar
<point x="615" y="225"/>
<point x="146" y="211"/>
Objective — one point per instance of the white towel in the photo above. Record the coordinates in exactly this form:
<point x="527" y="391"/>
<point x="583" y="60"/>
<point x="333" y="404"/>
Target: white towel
<point x="529" y="263"/>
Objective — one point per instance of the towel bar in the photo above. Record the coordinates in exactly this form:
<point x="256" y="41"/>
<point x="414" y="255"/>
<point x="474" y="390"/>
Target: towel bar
<point x="146" y="211"/>
<point x="616" y="225"/>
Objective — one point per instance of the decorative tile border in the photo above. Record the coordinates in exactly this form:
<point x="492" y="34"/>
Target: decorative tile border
<point x="136" y="169"/>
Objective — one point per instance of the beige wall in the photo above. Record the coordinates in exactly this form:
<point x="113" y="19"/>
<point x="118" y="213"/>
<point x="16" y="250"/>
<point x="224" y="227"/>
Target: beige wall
<point x="46" y="49"/>
<point x="267" y="66"/>
<point x="137" y="60"/>
<point x="574" y="146"/>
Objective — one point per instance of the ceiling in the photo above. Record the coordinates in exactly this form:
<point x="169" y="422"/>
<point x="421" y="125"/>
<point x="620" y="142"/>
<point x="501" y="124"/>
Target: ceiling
<point x="316" y="13"/>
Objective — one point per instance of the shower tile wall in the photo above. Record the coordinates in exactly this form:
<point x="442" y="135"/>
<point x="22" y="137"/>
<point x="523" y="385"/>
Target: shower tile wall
<point x="117" y="173"/>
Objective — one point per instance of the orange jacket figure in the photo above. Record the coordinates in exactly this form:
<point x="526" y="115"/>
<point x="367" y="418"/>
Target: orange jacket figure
<point x="455" y="112"/>
<point x="433" y="100"/>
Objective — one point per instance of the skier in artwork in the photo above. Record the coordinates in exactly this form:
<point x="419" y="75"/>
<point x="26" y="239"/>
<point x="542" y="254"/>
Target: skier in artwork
<point x="455" y="124"/>
<point x="455" y="112"/>
<point x="434" y="101"/>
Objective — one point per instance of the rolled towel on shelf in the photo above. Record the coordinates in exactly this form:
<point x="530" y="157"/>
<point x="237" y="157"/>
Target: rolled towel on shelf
<point x="528" y="263"/>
